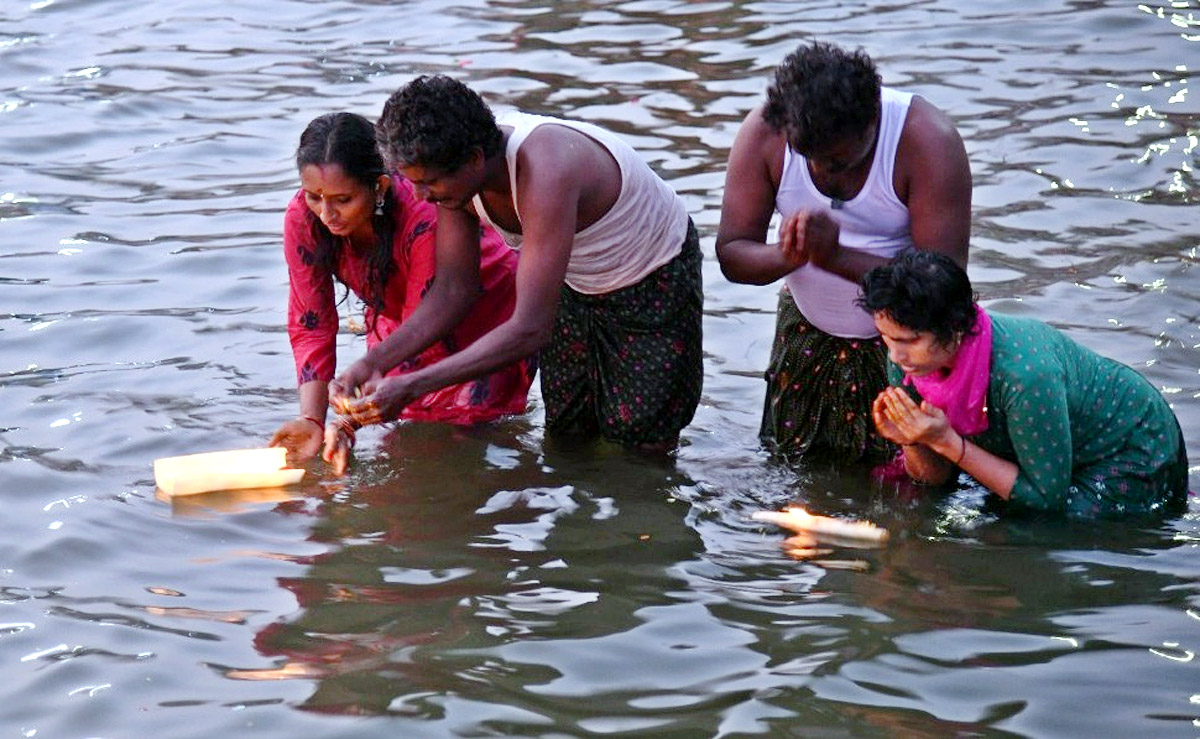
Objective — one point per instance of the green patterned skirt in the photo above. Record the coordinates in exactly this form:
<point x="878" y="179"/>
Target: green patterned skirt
<point x="819" y="392"/>
<point x="627" y="365"/>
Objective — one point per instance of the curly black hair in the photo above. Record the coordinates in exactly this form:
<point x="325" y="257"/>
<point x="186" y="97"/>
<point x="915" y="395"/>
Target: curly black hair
<point x="922" y="291"/>
<point x="821" y="94"/>
<point x="436" y="122"/>
<point x="348" y="140"/>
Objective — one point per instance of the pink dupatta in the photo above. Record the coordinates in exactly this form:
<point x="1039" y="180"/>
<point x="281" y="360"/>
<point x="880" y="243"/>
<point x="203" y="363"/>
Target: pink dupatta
<point x="962" y="394"/>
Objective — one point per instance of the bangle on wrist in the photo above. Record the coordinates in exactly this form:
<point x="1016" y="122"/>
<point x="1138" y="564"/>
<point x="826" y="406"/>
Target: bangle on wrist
<point x="345" y="426"/>
<point x="962" y="453"/>
<point x="315" y="420"/>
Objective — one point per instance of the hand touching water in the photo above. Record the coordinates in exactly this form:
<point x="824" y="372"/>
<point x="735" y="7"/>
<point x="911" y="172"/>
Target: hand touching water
<point x="301" y="437"/>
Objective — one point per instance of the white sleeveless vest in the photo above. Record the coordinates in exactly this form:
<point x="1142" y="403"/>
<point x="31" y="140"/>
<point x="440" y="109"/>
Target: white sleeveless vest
<point x="643" y="230"/>
<point x="873" y="221"/>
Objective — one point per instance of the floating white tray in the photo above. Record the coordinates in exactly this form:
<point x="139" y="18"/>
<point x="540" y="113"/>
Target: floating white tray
<point x="237" y="469"/>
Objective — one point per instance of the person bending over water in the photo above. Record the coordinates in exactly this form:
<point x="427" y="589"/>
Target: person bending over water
<point x="620" y="340"/>
<point x="354" y="223"/>
<point x="1033" y="416"/>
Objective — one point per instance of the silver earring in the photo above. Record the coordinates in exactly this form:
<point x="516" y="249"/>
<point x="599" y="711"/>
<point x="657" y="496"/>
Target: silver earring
<point x="379" y="207"/>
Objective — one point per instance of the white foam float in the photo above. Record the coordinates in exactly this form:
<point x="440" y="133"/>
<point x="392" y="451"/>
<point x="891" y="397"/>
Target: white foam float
<point x="237" y="469"/>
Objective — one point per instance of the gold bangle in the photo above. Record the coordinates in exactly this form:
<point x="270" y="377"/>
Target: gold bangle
<point x="963" y="453"/>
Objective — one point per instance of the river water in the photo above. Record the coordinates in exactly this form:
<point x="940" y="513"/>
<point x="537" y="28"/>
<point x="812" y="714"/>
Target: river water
<point x="489" y="582"/>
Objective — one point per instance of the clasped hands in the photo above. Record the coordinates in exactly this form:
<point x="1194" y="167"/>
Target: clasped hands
<point x="360" y="396"/>
<point x="901" y="420"/>
<point x="365" y="396"/>
<point x="809" y="237"/>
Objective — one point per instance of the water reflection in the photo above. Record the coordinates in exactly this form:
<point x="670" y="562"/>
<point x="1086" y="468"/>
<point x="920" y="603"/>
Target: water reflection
<point x="428" y="576"/>
<point x="949" y="634"/>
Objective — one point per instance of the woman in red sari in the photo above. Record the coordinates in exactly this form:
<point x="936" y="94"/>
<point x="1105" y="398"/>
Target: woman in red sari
<point x="352" y="222"/>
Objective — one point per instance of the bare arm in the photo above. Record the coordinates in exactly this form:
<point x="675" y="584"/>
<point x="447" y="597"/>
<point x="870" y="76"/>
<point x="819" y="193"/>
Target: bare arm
<point x="937" y="176"/>
<point x="995" y="474"/>
<point x="549" y="191"/>
<point x="454" y="290"/>
<point x="548" y="235"/>
<point x="314" y="399"/>
<point x="751" y="180"/>
<point x="936" y="448"/>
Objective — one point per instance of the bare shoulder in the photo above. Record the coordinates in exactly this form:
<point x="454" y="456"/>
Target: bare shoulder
<point x="759" y="136"/>
<point x="933" y="179"/>
<point x="930" y="146"/>
<point x="754" y="121"/>
<point x="752" y="178"/>
<point x="562" y="144"/>
<point x="927" y="127"/>
<point x="572" y="176"/>
<point x="757" y="152"/>
<point x="560" y="154"/>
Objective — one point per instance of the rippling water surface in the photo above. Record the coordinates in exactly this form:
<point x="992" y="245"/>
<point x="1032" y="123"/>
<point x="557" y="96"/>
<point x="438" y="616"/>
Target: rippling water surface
<point x="489" y="582"/>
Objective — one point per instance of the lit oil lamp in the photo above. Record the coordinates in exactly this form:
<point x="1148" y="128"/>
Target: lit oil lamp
<point x="825" y="528"/>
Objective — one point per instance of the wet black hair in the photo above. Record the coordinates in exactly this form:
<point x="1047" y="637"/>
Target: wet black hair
<point x="436" y="122"/>
<point x="348" y="140"/>
<point x="822" y="94"/>
<point x="922" y="291"/>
